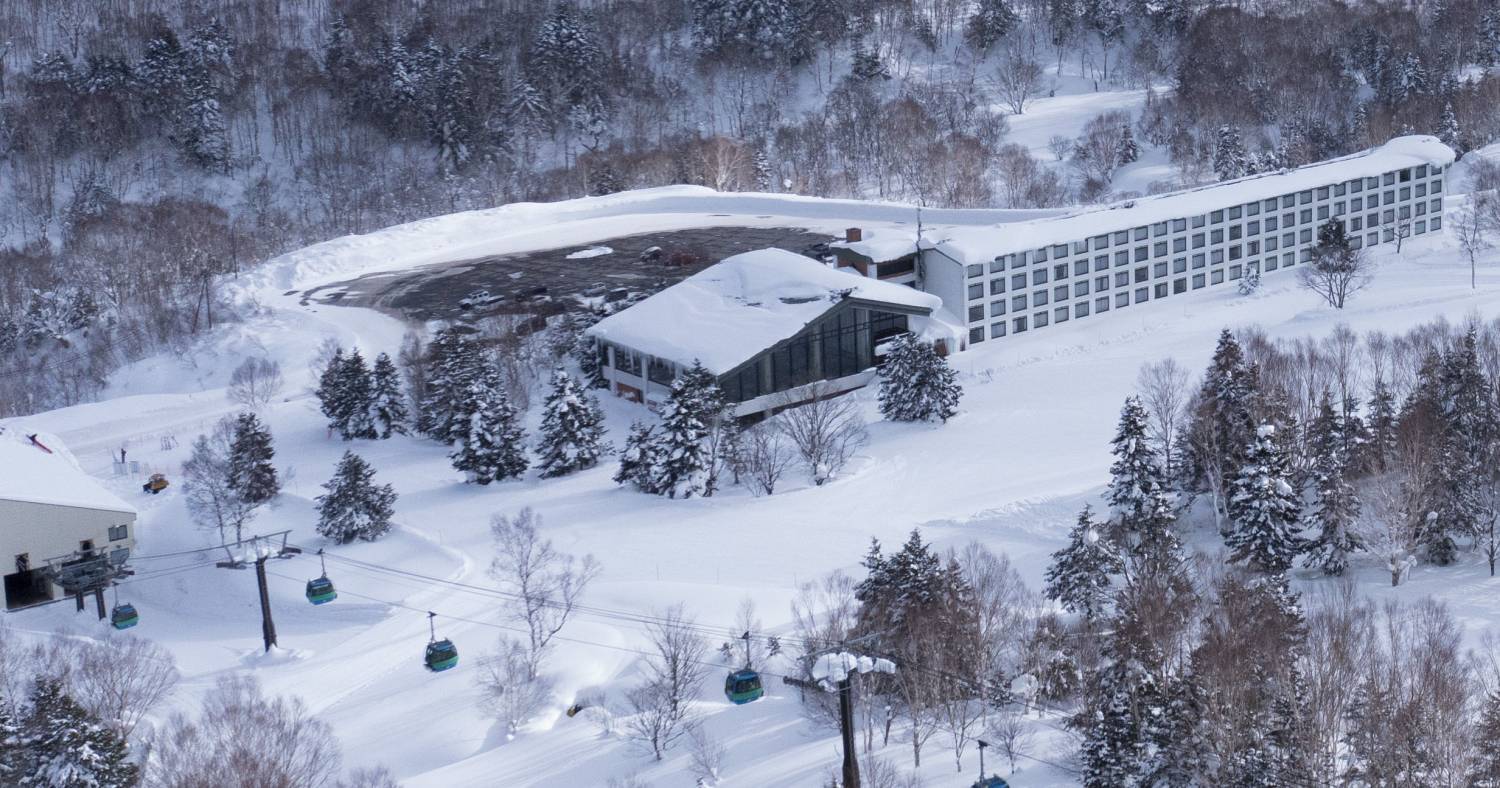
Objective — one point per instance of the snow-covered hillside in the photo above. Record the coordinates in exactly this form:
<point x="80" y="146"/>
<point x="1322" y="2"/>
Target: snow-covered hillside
<point x="1010" y="471"/>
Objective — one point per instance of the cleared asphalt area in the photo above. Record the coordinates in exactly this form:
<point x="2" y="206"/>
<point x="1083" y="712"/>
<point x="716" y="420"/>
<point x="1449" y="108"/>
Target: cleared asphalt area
<point x="552" y="280"/>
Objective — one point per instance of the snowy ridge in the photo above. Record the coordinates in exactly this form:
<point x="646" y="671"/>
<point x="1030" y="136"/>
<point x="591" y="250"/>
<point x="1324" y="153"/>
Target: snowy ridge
<point x="525" y="226"/>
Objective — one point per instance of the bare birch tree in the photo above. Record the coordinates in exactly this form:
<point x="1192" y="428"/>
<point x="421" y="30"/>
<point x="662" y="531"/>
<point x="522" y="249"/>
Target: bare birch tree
<point x="661" y="705"/>
<point x="544" y="584"/>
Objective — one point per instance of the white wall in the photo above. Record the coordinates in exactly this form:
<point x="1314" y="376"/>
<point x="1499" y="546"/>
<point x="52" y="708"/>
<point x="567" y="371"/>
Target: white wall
<point x="47" y="531"/>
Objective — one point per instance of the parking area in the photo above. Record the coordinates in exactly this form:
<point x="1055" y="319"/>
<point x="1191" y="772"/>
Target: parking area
<point x="551" y="281"/>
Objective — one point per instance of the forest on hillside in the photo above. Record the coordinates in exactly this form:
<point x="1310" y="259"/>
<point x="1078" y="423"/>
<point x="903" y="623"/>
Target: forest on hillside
<point x="149" y="148"/>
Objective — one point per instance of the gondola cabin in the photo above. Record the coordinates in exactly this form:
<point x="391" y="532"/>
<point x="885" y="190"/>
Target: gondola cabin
<point x="991" y="782"/>
<point x="743" y="686"/>
<point x="320" y="591"/>
<point x="124" y="616"/>
<point x="441" y="655"/>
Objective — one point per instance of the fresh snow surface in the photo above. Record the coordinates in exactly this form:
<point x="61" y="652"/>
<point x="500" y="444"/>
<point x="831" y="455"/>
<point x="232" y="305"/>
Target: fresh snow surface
<point x="982" y="244"/>
<point x="725" y="314"/>
<point x="34" y="475"/>
<point x="1028" y="448"/>
<point x="592" y="251"/>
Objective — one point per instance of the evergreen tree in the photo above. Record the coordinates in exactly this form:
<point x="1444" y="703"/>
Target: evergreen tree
<point x="15" y="758"/>
<point x="1182" y="754"/>
<point x="681" y="452"/>
<point x="1127" y="151"/>
<point x="388" y="403"/>
<point x="572" y="434"/>
<point x="1337" y="509"/>
<point x="358" y="395"/>
<point x="1221" y="427"/>
<point x="1229" y="154"/>
<point x="1448" y="130"/>
<point x="331" y="399"/>
<point x="991" y="21"/>
<point x="70" y="748"/>
<point x="454" y="363"/>
<point x="765" y="176"/>
<point x="1263" y="508"/>
<point x="354" y="506"/>
<point x="1079" y="577"/>
<point x="637" y="458"/>
<point x="488" y="442"/>
<point x="1484" y="772"/>
<point x="916" y="384"/>
<point x="1139" y="508"/>
<point x="1467" y="417"/>
<point x="1124" y="721"/>
<point x="251" y="474"/>
<point x="1381" y="445"/>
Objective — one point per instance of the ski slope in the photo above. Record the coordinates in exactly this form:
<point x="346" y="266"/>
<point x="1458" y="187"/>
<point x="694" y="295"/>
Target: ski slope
<point x="1028" y="448"/>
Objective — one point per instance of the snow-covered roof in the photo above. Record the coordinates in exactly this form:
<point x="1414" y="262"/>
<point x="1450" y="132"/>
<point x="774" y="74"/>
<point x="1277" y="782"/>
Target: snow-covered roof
<point x="33" y="474"/>
<point x="981" y="244"/>
<point x="882" y="244"/>
<point x="725" y="314"/>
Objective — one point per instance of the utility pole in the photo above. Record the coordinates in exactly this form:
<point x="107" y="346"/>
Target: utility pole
<point x="982" y="744"/>
<point x="267" y="626"/>
<point x="846" y="728"/>
<point x="235" y="559"/>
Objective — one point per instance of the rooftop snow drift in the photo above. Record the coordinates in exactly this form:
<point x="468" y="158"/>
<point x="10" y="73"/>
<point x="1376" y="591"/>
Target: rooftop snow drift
<point x="727" y="313"/>
<point x="33" y="474"/>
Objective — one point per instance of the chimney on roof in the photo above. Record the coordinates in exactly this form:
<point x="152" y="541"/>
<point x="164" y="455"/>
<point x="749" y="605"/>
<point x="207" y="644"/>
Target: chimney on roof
<point x="853" y="235"/>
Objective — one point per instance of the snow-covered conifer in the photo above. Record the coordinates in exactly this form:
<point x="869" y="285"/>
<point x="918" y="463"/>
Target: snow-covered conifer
<point x="1229" y="154"/>
<point x="358" y="397"/>
<point x="68" y="747"/>
<point x="1264" y="507"/>
<point x="681" y="453"/>
<point x="572" y="432"/>
<point x="387" y="400"/>
<point x="331" y="399"/>
<point x="354" y="506"/>
<point x="454" y="362"/>
<point x="251" y="474"/>
<point x="1337" y="509"/>
<point x="991" y="21"/>
<point x="916" y="384"/>
<point x="1127" y="151"/>
<point x="488" y="442"/>
<point x="1449" y="131"/>
<point x="637" y="458"/>
<point x="1079" y="577"/>
<point x="1140" y="511"/>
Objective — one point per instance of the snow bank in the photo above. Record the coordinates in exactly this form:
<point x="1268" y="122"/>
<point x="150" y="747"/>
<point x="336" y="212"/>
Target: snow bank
<point x="528" y="226"/>
<point x="592" y="251"/>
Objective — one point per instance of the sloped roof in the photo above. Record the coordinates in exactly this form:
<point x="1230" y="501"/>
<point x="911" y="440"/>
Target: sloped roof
<point x="727" y="313"/>
<point x="981" y="244"/>
<point x="33" y="475"/>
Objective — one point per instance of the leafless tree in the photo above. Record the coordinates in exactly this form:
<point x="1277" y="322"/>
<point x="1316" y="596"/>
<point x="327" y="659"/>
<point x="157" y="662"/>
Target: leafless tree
<point x="827" y="431"/>
<point x="255" y="382"/>
<point x="1401" y="232"/>
<point x="322" y="357"/>
<point x="509" y="690"/>
<point x="767" y="456"/>
<point x="1164" y="391"/>
<point x="1336" y="274"/>
<point x="243" y="739"/>
<point x="15" y="668"/>
<point x="661" y="705"/>
<point x="1012" y="735"/>
<point x="119" y="680"/>
<point x="1340" y="627"/>
<point x="374" y="777"/>
<point x="211" y="499"/>
<point x="1025" y="182"/>
<point x="1471" y="228"/>
<point x="709" y="755"/>
<point x="544" y="583"/>
<point x="1060" y="146"/>
<point x="1388" y="525"/>
<point x="1018" y="76"/>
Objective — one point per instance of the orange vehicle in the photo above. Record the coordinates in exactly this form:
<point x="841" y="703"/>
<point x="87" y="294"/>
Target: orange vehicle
<point x="155" y="484"/>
